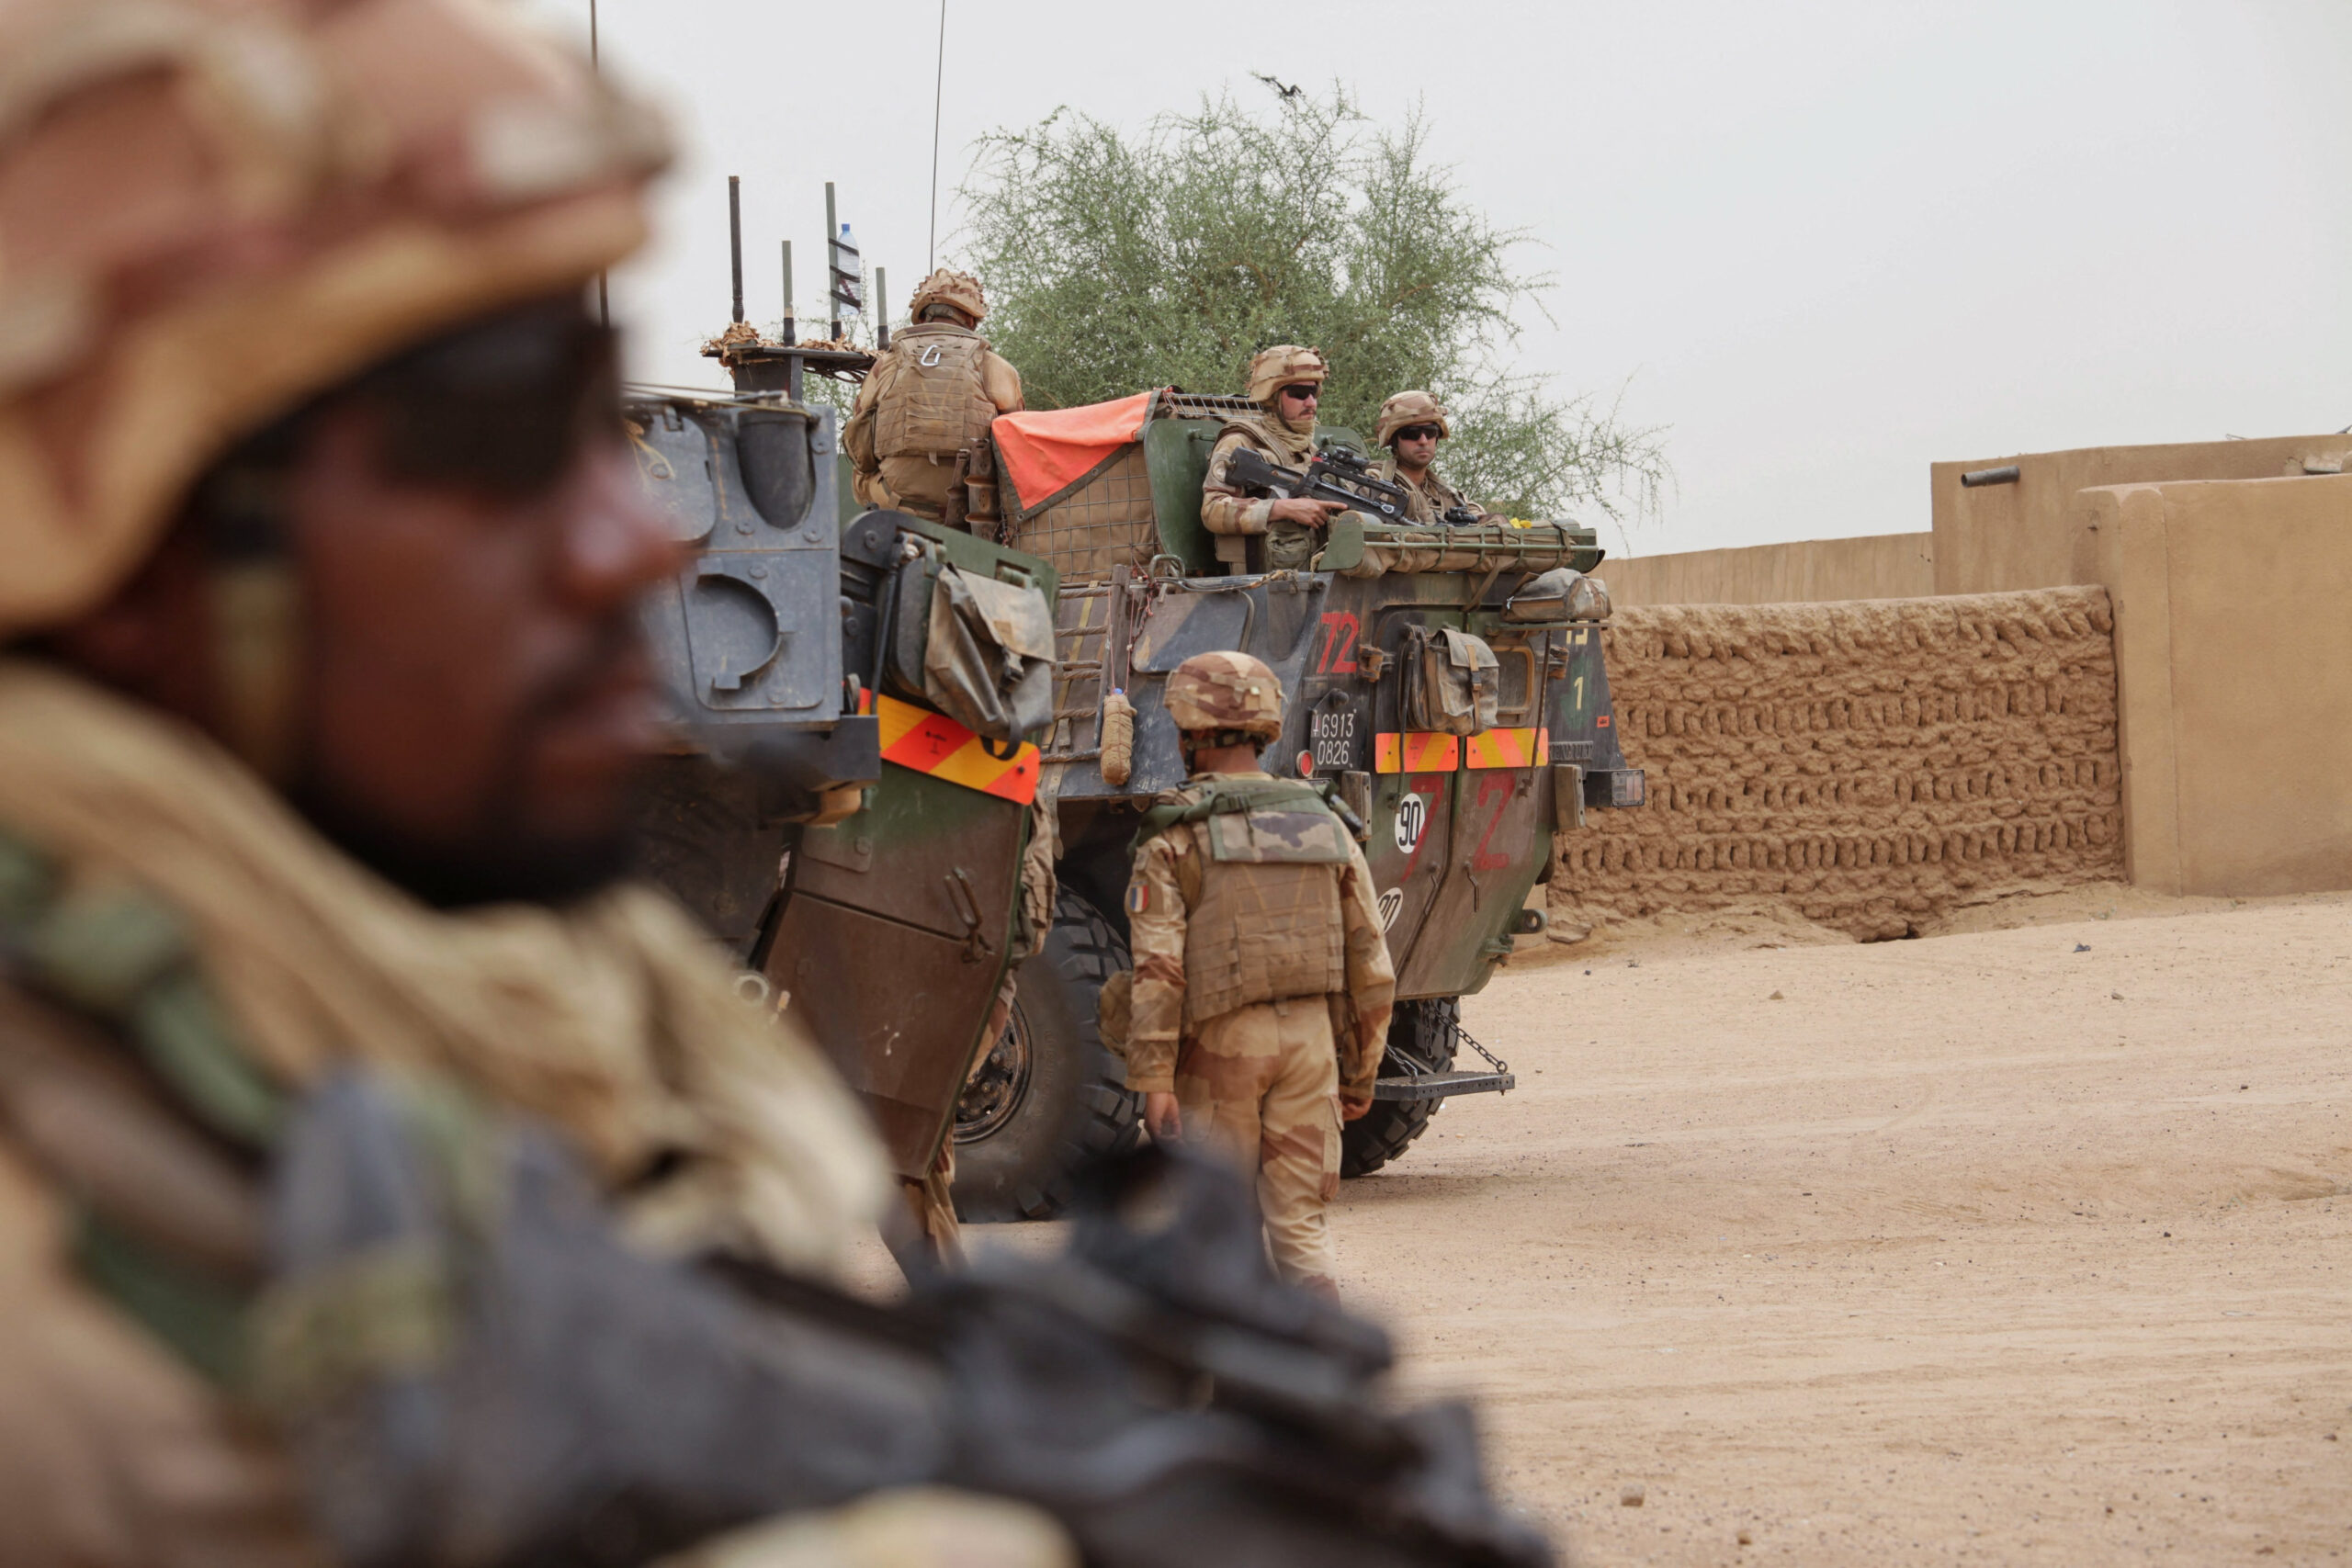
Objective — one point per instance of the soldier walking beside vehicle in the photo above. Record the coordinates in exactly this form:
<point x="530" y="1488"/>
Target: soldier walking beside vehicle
<point x="1411" y="425"/>
<point x="1288" y="380"/>
<point x="919" y="435"/>
<point x="1262" y="985"/>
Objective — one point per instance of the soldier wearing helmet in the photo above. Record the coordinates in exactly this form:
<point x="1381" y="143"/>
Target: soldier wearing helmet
<point x="1287" y="381"/>
<point x="320" y="692"/>
<point x="1259" y="1009"/>
<point x="1410" y="426"/>
<point x="918" y="438"/>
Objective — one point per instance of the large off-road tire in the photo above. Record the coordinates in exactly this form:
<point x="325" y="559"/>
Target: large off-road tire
<point x="1422" y="1036"/>
<point x="1049" y="1096"/>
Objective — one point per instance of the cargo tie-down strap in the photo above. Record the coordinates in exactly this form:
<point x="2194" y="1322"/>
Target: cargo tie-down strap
<point x="933" y="743"/>
<point x="1434" y="751"/>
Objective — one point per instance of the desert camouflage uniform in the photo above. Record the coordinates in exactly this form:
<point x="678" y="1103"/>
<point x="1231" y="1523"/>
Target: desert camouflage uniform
<point x="1427" y="499"/>
<point x="929" y="396"/>
<point x="264" y="197"/>
<point x="1243" y="968"/>
<point x="1225" y="508"/>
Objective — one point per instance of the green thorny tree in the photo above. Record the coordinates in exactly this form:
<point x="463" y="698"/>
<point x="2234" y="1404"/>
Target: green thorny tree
<point x="1115" y="263"/>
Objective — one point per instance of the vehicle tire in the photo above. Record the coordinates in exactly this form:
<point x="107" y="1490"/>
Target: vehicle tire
<point x="1421" y="1037"/>
<point x="1049" y="1095"/>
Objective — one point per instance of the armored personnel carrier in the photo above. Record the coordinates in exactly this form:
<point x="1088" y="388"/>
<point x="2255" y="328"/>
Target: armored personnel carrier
<point x="1446" y="684"/>
<point x="869" y="704"/>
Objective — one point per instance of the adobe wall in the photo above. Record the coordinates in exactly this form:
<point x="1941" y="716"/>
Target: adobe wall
<point x="2234" y="642"/>
<point x="1880" y="565"/>
<point x="2035" y="533"/>
<point x="1867" y="765"/>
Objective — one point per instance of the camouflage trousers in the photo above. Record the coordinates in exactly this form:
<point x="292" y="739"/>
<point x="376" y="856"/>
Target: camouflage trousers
<point x="1261" y="1084"/>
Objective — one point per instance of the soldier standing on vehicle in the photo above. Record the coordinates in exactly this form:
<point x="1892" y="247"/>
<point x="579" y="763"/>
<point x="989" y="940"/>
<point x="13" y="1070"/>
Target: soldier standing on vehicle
<point x="1288" y="380"/>
<point x="1262" y="985"/>
<point x="321" y="690"/>
<point x="918" y="438"/>
<point x="1411" y="425"/>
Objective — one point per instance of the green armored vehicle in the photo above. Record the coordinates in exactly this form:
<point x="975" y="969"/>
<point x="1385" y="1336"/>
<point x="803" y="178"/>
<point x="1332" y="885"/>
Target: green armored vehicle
<point x="850" y="798"/>
<point x="849" y="812"/>
<point x="1446" y="683"/>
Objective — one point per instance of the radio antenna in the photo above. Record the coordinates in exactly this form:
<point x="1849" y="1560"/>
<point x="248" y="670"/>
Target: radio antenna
<point x="938" y="92"/>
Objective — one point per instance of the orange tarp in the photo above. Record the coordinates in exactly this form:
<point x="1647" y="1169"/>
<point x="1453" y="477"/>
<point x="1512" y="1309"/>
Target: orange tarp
<point x="1050" y="449"/>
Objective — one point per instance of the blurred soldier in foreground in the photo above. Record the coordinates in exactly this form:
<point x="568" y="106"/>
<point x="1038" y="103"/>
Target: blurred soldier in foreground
<point x="918" y="438"/>
<point x="320" y="548"/>
<point x="1288" y="381"/>
<point x="382" y="1182"/>
<point x="1411" y="425"/>
<point x="1262" y="990"/>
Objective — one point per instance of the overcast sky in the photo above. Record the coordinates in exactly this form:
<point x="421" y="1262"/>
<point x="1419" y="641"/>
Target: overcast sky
<point x="1826" y="244"/>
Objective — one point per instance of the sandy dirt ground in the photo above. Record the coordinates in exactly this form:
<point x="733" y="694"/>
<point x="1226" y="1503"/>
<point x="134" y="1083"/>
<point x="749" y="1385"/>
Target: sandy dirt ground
<point x="2025" y="1246"/>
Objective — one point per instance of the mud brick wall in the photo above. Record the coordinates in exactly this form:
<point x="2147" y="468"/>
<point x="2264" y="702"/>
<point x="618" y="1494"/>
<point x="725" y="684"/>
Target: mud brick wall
<point x="1865" y="764"/>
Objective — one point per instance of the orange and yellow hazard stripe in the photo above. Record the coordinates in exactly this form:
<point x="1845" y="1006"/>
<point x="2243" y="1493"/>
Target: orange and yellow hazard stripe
<point x="933" y="743"/>
<point x="1420" y="752"/>
<point x="1415" y="751"/>
<point x="1506" y="748"/>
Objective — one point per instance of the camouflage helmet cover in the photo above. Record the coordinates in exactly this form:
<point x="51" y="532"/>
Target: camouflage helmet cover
<point x="212" y="211"/>
<point x="1226" y="691"/>
<point x="1411" y="408"/>
<point x="1284" y="364"/>
<point x="946" y="287"/>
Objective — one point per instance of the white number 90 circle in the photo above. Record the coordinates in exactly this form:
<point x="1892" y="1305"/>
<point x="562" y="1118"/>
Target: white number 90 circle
<point x="1412" y="816"/>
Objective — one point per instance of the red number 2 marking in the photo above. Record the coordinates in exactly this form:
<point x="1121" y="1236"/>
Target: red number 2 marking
<point x="1489" y="786"/>
<point x="1338" y="657"/>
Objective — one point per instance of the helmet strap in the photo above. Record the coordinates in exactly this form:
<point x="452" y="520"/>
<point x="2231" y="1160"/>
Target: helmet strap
<point x="1193" y="741"/>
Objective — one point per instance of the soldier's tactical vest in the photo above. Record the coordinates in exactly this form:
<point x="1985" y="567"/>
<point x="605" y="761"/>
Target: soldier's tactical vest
<point x="932" y="402"/>
<point x="1266" y="925"/>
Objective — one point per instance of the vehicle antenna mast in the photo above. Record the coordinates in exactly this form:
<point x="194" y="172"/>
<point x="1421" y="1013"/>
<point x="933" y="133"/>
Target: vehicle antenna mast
<point x="938" y="91"/>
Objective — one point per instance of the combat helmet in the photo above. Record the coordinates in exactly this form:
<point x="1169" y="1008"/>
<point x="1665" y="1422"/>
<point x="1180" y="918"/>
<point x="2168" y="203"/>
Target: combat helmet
<point x="1284" y="364"/>
<point x="289" y="193"/>
<point x="1225" y="694"/>
<point x="947" y="287"/>
<point x="1408" y="409"/>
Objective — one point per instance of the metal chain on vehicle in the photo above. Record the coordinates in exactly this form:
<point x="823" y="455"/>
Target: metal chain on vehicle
<point x="1467" y="1038"/>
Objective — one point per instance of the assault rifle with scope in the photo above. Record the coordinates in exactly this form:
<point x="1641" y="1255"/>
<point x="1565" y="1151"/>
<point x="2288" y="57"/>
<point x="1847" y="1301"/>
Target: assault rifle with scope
<point x="1334" y="475"/>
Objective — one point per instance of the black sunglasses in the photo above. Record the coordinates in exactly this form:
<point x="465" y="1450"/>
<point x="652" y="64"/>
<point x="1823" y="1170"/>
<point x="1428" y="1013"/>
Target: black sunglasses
<point x="504" y="404"/>
<point x="1303" y="393"/>
<point x="1418" y="432"/>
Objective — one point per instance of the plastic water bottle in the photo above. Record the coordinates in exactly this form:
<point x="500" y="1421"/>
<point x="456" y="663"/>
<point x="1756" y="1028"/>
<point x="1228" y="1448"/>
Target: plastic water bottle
<point x="846" y="260"/>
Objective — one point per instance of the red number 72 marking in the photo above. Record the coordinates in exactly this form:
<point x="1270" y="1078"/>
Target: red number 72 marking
<point x="1338" y="657"/>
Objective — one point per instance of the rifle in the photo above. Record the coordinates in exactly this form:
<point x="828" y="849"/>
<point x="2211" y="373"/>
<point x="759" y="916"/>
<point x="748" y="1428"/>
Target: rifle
<point x="1335" y="475"/>
<point x="539" y="1396"/>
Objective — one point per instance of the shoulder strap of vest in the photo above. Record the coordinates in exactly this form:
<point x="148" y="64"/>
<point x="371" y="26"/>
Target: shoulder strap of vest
<point x="1218" y="797"/>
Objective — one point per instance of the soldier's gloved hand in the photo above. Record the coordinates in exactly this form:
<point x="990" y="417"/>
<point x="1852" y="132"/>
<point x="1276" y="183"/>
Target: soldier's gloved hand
<point x="1354" y="1107"/>
<point x="1299" y="509"/>
<point x="1159" y="1114"/>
